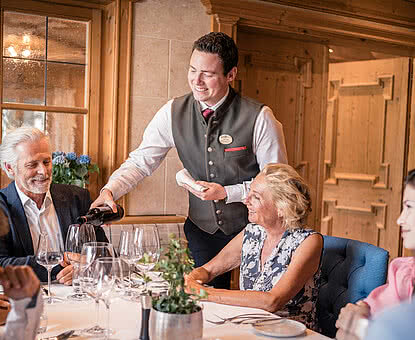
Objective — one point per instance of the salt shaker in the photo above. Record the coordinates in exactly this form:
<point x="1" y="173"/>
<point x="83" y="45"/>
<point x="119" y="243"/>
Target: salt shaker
<point x="145" y="316"/>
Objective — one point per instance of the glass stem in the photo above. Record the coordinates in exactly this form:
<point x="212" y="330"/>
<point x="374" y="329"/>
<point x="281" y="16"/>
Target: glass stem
<point x="97" y="312"/>
<point x="129" y="279"/>
<point x="49" y="279"/>
<point x="107" y="333"/>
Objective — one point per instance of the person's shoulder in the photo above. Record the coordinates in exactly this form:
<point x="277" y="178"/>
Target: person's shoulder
<point x="250" y="101"/>
<point x="69" y="189"/>
<point x="8" y="189"/>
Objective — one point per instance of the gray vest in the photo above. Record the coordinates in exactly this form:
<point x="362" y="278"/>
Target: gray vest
<point x="209" y="154"/>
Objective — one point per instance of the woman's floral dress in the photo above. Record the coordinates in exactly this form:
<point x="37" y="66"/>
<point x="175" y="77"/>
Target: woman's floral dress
<point x="302" y="307"/>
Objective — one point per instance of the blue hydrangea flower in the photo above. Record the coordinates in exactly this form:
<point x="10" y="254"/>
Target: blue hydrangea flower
<point x="60" y="159"/>
<point x="71" y="156"/>
<point x="58" y="153"/>
<point x="84" y="159"/>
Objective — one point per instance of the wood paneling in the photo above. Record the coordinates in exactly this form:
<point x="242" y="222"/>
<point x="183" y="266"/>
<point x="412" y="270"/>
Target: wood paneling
<point x="287" y="76"/>
<point x="365" y="142"/>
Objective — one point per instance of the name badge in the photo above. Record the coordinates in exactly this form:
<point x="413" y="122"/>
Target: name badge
<point x="225" y="139"/>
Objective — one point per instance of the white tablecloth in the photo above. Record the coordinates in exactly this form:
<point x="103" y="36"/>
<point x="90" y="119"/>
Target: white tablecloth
<point x="125" y="319"/>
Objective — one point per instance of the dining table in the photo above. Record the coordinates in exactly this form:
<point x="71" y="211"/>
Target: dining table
<point x="125" y="319"/>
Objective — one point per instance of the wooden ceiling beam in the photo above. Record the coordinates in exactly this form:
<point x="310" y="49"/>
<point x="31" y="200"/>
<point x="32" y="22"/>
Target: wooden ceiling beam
<point x="330" y="28"/>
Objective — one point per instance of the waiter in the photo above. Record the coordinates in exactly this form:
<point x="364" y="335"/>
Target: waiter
<point x="222" y="139"/>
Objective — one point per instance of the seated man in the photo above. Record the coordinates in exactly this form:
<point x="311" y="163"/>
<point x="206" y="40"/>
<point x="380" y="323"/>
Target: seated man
<point x="31" y="205"/>
<point x="22" y="287"/>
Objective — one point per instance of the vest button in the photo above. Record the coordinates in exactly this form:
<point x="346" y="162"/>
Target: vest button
<point x="220" y="222"/>
<point x="212" y="175"/>
<point x="218" y="212"/>
<point x="210" y="163"/>
<point x="209" y="149"/>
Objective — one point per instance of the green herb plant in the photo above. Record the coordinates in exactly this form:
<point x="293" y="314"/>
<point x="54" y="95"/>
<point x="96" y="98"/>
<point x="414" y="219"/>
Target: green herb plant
<point x="176" y="263"/>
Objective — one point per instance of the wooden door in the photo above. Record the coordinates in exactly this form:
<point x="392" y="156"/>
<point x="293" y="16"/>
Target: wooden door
<point x="290" y="77"/>
<point x="365" y="151"/>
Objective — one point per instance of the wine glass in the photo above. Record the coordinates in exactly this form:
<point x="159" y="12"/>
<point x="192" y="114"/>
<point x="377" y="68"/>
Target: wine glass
<point x="128" y="252"/>
<point x="90" y="252"/>
<point x="48" y="255"/>
<point x="77" y="236"/>
<point x="148" y="248"/>
<point x="107" y="274"/>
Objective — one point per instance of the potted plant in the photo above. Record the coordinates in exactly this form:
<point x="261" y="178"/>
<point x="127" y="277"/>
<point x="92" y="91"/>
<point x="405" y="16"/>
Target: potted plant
<point x="68" y="168"/>
<point x="176" y="315"/>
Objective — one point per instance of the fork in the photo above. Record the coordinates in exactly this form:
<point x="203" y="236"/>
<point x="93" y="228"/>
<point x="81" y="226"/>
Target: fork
<point x="245" y="319"/>
<point x="244" y="315"/>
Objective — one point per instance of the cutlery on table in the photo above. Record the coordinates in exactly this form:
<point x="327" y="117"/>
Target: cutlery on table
<point x="246" y="318"/>
<point x="62" y="336"/>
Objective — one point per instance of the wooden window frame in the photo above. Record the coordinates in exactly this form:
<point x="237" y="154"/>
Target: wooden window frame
<point x="91" y="109"/>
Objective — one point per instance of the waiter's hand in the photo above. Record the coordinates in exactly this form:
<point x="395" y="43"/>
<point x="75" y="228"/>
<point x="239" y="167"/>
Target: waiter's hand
<point x="105" y="197"/>
<point x="214" y="191"/>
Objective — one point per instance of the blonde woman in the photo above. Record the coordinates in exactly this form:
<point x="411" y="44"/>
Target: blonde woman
<point x="278" y="256"/>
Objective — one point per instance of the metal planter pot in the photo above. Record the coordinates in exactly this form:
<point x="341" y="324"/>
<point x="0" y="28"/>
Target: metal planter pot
<point x="165" y="326"/>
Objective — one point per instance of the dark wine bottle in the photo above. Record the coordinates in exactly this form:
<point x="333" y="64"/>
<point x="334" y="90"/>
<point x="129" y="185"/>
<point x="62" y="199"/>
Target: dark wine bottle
<point x="101" y="215"/>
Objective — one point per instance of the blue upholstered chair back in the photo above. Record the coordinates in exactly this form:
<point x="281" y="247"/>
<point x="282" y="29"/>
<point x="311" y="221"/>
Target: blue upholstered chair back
<point x="350" y="271"/>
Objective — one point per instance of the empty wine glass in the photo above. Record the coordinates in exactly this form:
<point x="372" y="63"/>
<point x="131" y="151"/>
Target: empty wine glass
<point x="107" y="274"/>
<point x="77" y="236"/>
<point x="90" y="252"/>
<point x="128" y="252"/>
<point x="48" y="255"/>
<point x="148" y="248"/>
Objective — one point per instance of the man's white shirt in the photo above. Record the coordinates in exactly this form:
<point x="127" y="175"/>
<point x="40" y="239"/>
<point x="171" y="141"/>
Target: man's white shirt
<point x="43" y="220"/>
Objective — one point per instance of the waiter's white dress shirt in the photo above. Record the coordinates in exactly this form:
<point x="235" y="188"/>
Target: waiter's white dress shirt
<point x="268" y="145"/>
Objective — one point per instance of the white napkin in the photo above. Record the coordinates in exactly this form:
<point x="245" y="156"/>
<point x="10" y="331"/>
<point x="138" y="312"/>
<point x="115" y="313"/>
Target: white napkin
<point x="184" y="177"/>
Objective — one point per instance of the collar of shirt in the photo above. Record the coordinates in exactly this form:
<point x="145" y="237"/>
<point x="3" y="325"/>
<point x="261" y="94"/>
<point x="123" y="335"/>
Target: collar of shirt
<point x="214" y="107"/>
<point x="27" y="200"/>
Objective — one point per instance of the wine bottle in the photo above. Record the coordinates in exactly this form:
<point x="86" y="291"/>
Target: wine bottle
<point x="101" y="215"/>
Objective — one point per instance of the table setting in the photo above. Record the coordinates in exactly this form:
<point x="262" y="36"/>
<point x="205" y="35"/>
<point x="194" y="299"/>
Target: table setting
<point x="121" y="278"/>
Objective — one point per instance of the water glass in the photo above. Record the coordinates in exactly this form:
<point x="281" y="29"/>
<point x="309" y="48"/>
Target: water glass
<point x="128" y="252"/>
<point x="90" y="252"/>
<point x="49" y="255"/>
<point x="107" y="275"/>
<point x="43" y="323"/>
<point x="147" y="241"/>
<point x="77" y="236"/>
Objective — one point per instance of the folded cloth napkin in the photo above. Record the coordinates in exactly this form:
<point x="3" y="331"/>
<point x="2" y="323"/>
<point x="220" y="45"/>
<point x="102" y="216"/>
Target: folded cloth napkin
<point x="184" y="177"/>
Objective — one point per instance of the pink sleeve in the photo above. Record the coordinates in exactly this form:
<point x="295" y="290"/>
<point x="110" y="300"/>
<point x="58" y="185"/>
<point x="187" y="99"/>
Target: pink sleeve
<point x="399" y="287"/>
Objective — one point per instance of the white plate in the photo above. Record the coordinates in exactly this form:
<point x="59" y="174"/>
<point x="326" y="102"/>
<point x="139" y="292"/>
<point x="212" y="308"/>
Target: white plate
<point x="280" y="329"/>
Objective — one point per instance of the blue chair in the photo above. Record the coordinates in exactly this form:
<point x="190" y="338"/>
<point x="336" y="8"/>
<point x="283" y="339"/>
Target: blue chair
<point x="350" y="270"/>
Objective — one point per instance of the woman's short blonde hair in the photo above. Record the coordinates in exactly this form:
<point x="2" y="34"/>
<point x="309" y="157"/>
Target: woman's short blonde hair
<point x="290" y="193"/>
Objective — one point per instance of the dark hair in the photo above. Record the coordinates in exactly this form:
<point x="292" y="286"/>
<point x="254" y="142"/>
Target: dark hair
<point x="221" y="44"/>
<point x="410" y="179"/>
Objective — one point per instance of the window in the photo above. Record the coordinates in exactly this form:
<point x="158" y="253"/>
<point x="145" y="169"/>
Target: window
<point x="44" y="64"/>
<point x="48" y="57"/>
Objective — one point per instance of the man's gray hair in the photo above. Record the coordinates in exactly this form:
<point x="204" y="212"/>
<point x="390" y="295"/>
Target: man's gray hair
<point x="13" y="138"/>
